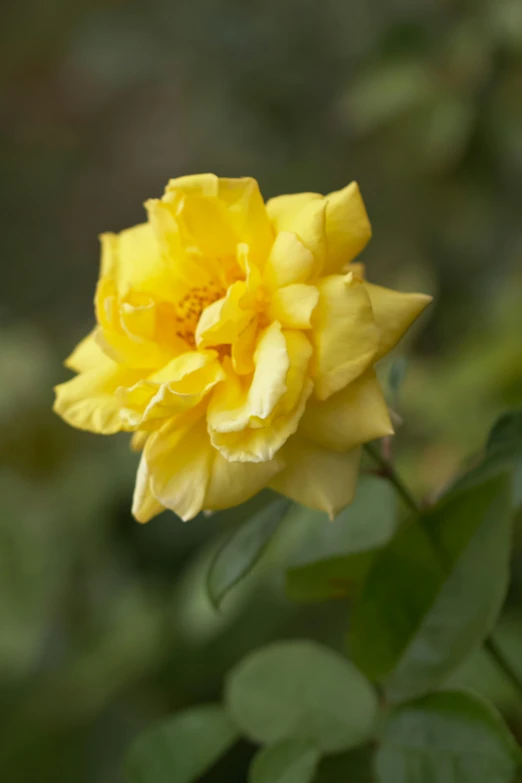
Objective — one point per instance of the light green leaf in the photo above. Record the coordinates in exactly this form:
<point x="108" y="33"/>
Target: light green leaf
<point x="434" y="593"/>
<point x="301" y="689"/>
<point x="447" y="737"/>
<point x="182" y="747"/>
<point x="288" y="761"/>
<point x="243" y="549"/>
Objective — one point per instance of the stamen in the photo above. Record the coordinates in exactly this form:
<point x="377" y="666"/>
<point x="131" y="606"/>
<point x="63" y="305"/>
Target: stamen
<point x="190" y="307"/>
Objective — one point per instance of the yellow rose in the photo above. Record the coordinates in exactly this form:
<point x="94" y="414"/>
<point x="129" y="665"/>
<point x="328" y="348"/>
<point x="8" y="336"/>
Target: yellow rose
<point x="237" y="343"/>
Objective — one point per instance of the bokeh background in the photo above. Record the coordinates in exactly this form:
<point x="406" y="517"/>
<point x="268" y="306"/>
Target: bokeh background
<point x="105" y="625"/>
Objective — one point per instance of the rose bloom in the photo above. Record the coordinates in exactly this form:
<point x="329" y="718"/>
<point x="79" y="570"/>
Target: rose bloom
<point x="236" y="340"/>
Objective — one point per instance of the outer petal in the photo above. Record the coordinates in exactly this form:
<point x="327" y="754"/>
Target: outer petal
<point x="89" y="402"/>
<point x="303" y="214"/>
<point x="134" y="261"/>
<point x="394" y="313"/>
<point x="348" y="228"/>
<point x="293" y="306"/>
<point x="283" y="210"/>
<point x="86" y="356"/>
<point x="345" y="335"/>
<point x="232" y="483"/>
<point x="144" y="504"/>
<point x="352" y="416"/>
<point x="247" y="214"/>
<point x="317" y="477"/>
<point x="179" y="462"/>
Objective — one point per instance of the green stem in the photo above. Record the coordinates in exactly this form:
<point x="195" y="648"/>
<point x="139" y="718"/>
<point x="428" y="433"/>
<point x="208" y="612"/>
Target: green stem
<point x="388" y="471"/>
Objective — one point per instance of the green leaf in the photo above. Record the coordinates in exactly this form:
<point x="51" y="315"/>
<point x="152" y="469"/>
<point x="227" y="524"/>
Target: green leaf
<point x="335" y="556"/>
<point x="243" y="549"/>
<point x="503" y="450"/>
<point x="447" y="737"/>
<point x="434" y="593"/>
<point x="506" y="435"/>
<point x="336" y="578"/>
<point x="288" y="761"/>
<point x="353" y="767"/>
<point x="182" y="747"/>
<point x="301" y="689"/>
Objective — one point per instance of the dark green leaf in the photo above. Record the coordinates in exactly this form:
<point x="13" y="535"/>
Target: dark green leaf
<point x="506" y="435"/>
<point x="337" y="577"/>
<point x="335" y="556"/>
<point x="353" y="767"/>
<point x="182" y="747"/>
<point x="503" y="450"/>
<point x="243" y="549"/>
<point x="301" y="689"/>
<point x="288" y="761"/>
<point x="434" y="593"/>
<point x="447" y="737"/>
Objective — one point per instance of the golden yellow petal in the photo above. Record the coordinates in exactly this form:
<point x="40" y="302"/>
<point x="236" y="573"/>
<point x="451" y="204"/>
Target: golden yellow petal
<point x="250" y="438"/>
<point x="179" y="461"/>
<point x="293" y="305"/>
<point x="138" y="440"/>
<point x="355" y="415"/>
<point x="345" y="335"/>
<point x="348" y="228"/>
<point x="221" y="322"/>
<point x="289" y="261"/>
<point x="316" y="477"/>
<point x="282" y="210"/>
<point x="232" y="483"/>
<point x="238" y="399"/>
<point x="89" y="400"/>
<point x="394" y="313"/>
<point x="144" y="504"/>
<point x="86" y="356"/>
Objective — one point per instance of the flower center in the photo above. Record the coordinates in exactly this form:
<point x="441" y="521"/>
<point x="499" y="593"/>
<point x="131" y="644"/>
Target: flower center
<point x="190" y="307"/>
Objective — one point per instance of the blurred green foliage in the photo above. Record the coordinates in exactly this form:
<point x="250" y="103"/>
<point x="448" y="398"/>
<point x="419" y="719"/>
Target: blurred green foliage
<point x="105" y="625"/>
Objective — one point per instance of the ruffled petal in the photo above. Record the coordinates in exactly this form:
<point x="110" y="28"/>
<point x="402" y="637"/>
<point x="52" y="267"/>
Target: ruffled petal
<point x="317" y="477"/>
<point x="221" y="322"/>
<point x="176" y="388"/>
<point x="144" y="503"/>
<point x="355" y="415"/>
<point x="293" y="305"/>
<point x="179" y="461"/>
<point x="236" y="401"/>
<point x="89" y="401"/>
<point x="232" y="483"/>
<point x="345" y="335"/>
<point x="260" y="438"/>
<point x="348" y="228"/>
<point x="394" y="313"/>
<point x="303" y="214"/>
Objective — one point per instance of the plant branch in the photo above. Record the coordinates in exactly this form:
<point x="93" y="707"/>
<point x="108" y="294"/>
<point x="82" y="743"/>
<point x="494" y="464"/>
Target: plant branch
<point x="388" y="471"/>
